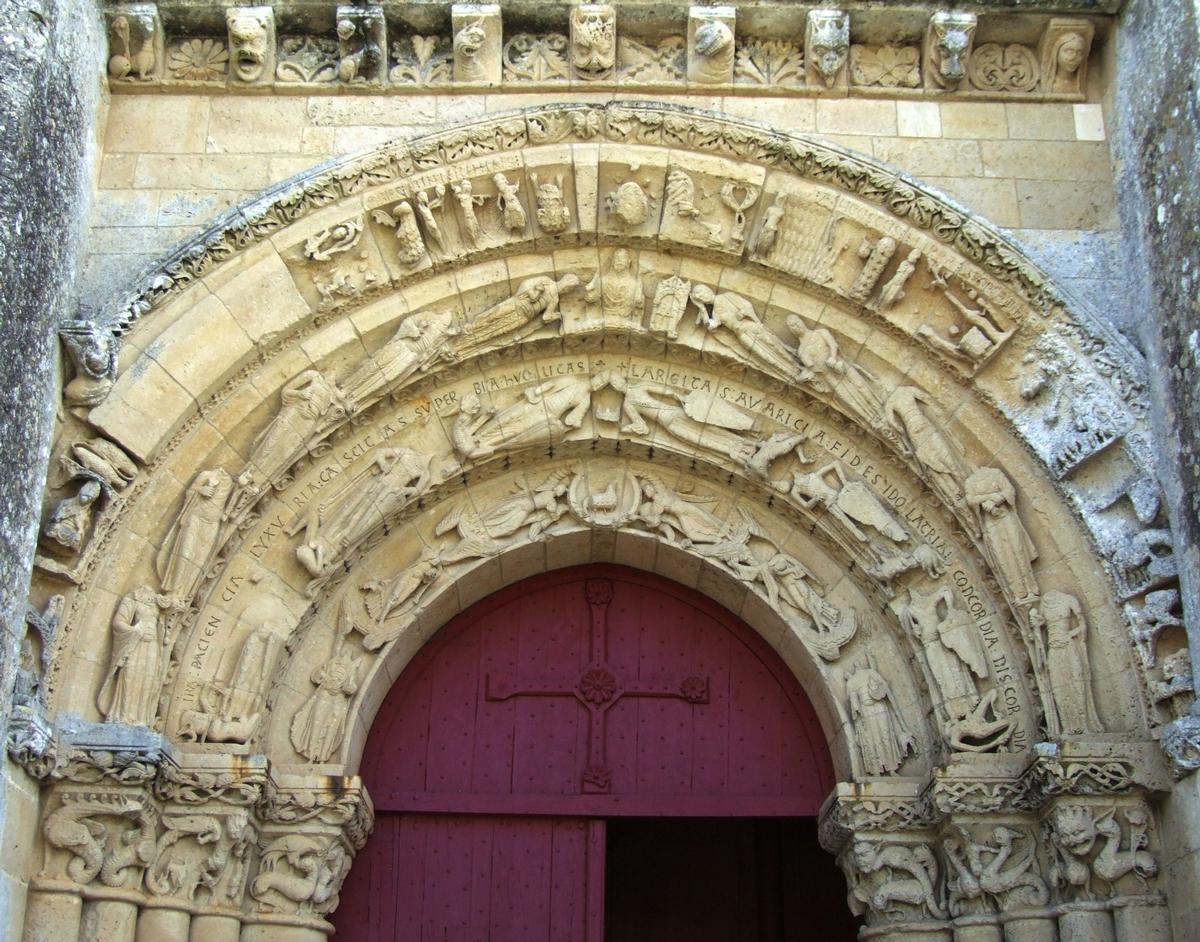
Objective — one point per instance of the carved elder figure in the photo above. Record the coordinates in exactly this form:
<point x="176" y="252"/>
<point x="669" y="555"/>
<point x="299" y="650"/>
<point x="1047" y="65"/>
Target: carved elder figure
<point x="883" y="739"/>
<point x="994" y="499"/>
<point x="534" y="297"/>
<point x="395" y="478"/>
<point x="193" y="536"/>
<point x="416" y="344"/>
<point x="1067" y="663"/>
<point x="132" y="683"/>
<point x="310" y="404"/>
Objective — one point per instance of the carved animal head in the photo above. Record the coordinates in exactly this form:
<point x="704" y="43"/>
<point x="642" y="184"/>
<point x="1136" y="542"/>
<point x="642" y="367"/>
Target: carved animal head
<point x="713" y="38"/>
<point x="595" y="41"/>
<point x="952" y="40"/>
<point x="470" y="39"/>
<point x="1075" y="828"/>
<point x="829" y="42"/>
<point x="248" y="42"/>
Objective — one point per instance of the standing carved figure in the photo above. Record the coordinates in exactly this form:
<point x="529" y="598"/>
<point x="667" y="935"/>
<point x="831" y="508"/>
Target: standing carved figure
<point x="619" y="291"/>
<point x="425" y="205"/>
<point x="905" y="411"/>
<point x="508" y="201"/>
<point x="192" y="539"/>
<point x="735" y="315"/>
<point x="318" y="726"/>
<point x="395" y="478"/>
<point x="883" y="739"/>
<point x="953" y="648"/>
<point x="417" y="343"/>
<point x="828" y="628"/>
<point x="992" y="495"/>
<point x="829" y="373"/>
<point x="769" y="232"/>
<point x="133" y="681"/>
<point x="1067" y="663"/>
<point x="893" y="291"/>
<point x="553" y="214"/>
<point x="468" y="202"/>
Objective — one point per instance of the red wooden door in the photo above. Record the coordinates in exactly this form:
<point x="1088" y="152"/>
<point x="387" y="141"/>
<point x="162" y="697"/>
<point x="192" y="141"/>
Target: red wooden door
<point x="571" y="697"/>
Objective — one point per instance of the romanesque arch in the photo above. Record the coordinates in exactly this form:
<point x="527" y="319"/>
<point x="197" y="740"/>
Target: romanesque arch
<point x="799" y="381"/>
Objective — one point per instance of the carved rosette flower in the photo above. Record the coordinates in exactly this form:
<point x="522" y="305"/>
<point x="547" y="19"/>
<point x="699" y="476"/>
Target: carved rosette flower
<point x="694" y="689"/>
<point x="598" y="686"/>
<point x="198" y="60"/>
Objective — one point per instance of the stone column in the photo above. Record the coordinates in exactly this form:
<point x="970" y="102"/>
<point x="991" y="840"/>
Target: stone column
<point x="1030" y="927"/>
<point x="1142" y="919"/>
<point x="215" y="929"/>
<point x="108" y="920"/>
<point x="1084" y="923"/>
<point x="276" y="933"/>
<point x="51" y="916"/>
<point x="163" y="925"/>
<point x="981" y="928"/>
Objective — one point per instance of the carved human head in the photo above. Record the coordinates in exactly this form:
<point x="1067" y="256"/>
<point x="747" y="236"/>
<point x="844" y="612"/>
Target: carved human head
<point x="248" y="40"/>
<point x="702" y="294"/>
<point x="89" y="492"/>
<point x="470" y="404"/>
<point x="1072" y="50"/>
<point x="346" y="29"/>
<point x="621" y="260"/>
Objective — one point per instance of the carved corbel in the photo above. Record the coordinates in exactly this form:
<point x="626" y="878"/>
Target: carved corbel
<point x="948" y="42"/>
<point x="92" y="351"/>
<point x="251" y="45"/>
<point x="477" y="43"/>
<point x="362" y="45"/>
<point x="593" y="41"/>
<point x="826" y="47"/>
<point x="136" y="47"/>
<point x="1181" y="742"/>
<point x="1063" y="54"/>
<point x="711" y="45"/>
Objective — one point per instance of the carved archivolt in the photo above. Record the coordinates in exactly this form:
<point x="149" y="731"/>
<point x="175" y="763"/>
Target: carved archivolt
<point x="751" y="362"/>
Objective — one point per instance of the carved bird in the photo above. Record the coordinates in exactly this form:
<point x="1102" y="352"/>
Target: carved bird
<point x="121" y="63"/>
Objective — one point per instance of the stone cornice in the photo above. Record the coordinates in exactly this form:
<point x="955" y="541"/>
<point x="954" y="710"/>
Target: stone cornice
<point x="1002" y="50"/>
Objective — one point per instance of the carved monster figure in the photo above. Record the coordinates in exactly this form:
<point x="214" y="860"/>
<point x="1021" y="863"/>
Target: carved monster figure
<point x="593" y="40"/>
<point x="887" y="874"/>
<point x="133" y="681"/>
<point x="468" y="43"/>
<point x="952" y="646"/>
<point x="309" y="405"/>
<point x="193" y="537"/>
<point x="826" y="371"/>
<point x="553" y="215"/>
<point x="361" y="58"/>
<point x="1077" y="829"/>
<point x="735" y="324"/>
<point x="303" y="870"/>
<point x="488" y="532"/>
<point x="828" y="43"/>
<point x="990" y="871"/>
<point x="1067" y="663"/>
<point x="534" y="297"/>
<point x="250" y="35"/>
<point x="992" y="495"/>
<point x="395" y="478"/>
<point x="883" y="739"/>
<point x="905" y="410"/>
<point x="419" y="342"/>
<point x="410" y="247"/>
<point x="318" y="727"/>
<point x="382" y="598"/>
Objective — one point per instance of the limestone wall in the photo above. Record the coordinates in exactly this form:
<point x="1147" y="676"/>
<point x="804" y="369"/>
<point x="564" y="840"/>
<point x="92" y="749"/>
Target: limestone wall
<point x="171" y="162"/>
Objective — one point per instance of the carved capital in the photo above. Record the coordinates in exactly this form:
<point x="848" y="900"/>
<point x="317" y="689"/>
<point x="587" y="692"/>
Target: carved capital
<point x="993" y="864"/>
<point x="894" y="878"/>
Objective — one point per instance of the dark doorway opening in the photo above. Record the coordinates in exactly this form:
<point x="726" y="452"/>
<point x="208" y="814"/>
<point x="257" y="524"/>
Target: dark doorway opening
<point x="722" y="880"/>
